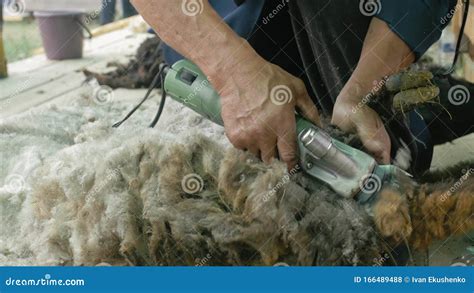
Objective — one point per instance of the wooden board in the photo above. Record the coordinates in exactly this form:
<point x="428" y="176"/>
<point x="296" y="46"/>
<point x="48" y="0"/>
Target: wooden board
<point x="457" y="20"/>
<point x="91" y="47"/>
<point x="36" y="81"/>
<point x="37" y="71"/>
<point x="467" y="58"/>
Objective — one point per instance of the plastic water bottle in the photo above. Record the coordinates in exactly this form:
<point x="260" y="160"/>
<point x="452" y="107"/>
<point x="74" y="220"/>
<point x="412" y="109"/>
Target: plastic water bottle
<point x="447" y="48"/>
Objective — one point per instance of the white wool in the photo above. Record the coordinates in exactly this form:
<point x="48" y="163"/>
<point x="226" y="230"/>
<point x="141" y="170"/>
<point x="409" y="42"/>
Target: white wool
<point x="77" y="147"/>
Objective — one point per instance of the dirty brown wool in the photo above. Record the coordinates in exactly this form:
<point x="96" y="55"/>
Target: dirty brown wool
<point x="138" y="196"/>
<point x="144" y="216"/>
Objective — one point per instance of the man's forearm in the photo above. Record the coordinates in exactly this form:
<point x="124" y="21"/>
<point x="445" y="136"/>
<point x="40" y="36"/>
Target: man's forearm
<point x="202" y="37"/>
<point x="383" y="54"/>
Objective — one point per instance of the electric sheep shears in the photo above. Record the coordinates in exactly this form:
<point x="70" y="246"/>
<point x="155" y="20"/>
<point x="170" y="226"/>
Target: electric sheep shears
<point x="350" y="172"/>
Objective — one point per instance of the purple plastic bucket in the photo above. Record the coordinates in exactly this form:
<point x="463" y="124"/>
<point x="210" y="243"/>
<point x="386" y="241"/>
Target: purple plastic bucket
<point x="62" y="34"/>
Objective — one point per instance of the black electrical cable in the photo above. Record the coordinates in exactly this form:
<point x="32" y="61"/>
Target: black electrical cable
<point x="466" y="4"/>
<point x="162" y="102"/>
<point x="158" y="77"/>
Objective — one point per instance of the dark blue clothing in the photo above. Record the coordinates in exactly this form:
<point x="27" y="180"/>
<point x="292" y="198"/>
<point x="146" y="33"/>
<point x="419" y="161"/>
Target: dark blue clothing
<point x="418" y="22"/>
<point x="107" y="14"/>
<point x="320" y="41"/>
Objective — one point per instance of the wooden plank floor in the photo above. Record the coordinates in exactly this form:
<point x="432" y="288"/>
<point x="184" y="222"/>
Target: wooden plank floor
<point x="36" y="80"/>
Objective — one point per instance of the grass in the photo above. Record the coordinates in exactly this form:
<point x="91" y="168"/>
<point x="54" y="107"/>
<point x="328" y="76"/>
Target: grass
<point x="20" y="39"/>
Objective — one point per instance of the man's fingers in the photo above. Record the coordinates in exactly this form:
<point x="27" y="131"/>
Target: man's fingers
<point x="240" y="139"/>
<point x="268" y="151"/>
<point x="287" y="146"/>
<point x="254" y="150"/>
<point x="377" y="141"/>
<point x="308" y="109"/>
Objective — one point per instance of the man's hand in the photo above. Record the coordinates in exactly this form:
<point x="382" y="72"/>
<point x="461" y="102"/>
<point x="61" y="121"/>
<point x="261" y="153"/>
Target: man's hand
<point x="258" y="109"/>
<point x="258" y="98"/>
<point x="356" y="117"/>
<point x="383" y="54"/>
